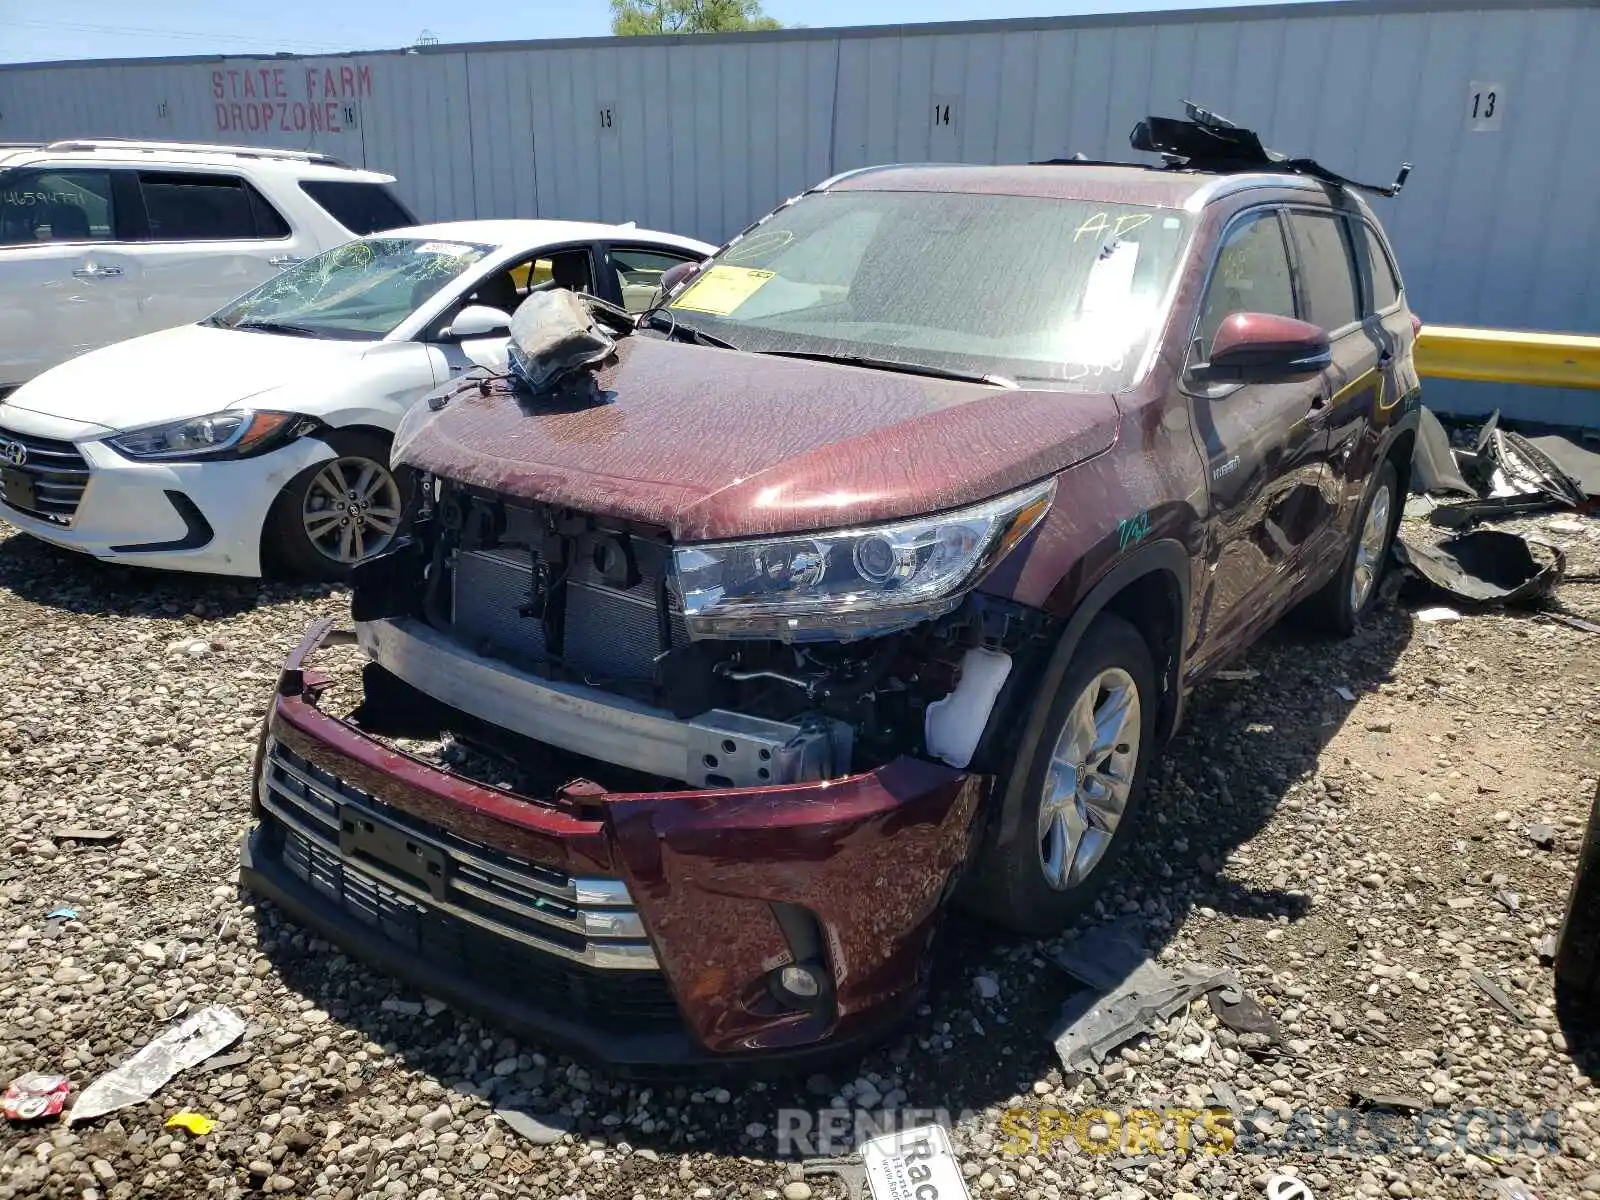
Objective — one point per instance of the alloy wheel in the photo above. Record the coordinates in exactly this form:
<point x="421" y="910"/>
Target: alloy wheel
<point x="1370" y="549"/>
<point x="351" y="510"/>
<point x="1089" y="779"/>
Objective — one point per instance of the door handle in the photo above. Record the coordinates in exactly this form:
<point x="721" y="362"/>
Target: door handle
<point x="285" y="260"/>
<point x="92" y="271"/>
<point x="1319" y="400"/>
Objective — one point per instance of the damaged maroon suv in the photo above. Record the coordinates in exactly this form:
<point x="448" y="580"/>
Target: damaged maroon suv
<point x="862" y="575"/>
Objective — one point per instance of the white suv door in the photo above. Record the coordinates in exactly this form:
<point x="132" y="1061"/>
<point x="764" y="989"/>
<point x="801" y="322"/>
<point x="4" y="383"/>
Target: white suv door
<point x="67" y="284"/>
<point x="209" y="237"/>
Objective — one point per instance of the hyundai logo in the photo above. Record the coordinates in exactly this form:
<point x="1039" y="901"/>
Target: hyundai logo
<point x="14" y="453"/>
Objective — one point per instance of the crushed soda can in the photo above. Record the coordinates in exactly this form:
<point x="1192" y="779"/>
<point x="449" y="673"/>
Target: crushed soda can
<point x="34" y="1095"/>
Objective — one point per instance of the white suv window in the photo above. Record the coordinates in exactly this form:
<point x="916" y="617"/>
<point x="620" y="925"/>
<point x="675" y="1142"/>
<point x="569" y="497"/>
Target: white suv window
<point x="184" y="206"/>
<point x="56" y="206"/>
<point x="362" y="208"/>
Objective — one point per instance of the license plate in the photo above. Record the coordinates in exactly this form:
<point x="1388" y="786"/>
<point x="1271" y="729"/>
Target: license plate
<point x="915" y="1165"/>
<point x="18" y="487"/>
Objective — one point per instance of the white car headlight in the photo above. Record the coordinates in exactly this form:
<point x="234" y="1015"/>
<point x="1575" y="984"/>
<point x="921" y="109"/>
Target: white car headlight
<point x="233" y="434"/>
<point x="854" y="582"/>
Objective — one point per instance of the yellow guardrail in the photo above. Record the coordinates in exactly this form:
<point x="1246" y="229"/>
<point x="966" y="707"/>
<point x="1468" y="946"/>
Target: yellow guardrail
<point x="1567" y="360"/>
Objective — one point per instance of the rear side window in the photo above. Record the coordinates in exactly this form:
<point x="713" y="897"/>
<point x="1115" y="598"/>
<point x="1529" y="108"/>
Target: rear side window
<point x="182" y="206"/>
<point x="362" y="208"/>
<point x="1251" y="275"/>
<point x="1385" y="283"/>
<point x="1327" y="272"/>
<point x="55" y="206"/>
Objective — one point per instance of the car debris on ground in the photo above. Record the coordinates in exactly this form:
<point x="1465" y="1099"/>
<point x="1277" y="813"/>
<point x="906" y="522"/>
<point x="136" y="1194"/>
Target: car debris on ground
<point x="1503" y="474"/>
<point x="1127" y="993"/>
<point x="1486" y="566"/>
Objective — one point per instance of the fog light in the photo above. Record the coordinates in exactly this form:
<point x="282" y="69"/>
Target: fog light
<point x="801" y="982"/>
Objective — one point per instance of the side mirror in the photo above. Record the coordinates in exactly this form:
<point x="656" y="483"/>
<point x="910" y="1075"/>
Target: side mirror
<point x="477" y="320"/>
<point x="1263" y="348"/>
<point x="673" y="276"/>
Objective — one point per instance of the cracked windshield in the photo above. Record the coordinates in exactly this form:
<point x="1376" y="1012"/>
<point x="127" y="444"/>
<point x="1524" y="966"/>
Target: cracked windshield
<point x="358" y="291"/>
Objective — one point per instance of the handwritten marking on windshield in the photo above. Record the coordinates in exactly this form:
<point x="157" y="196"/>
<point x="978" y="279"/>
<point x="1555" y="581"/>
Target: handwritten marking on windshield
<point x="1101" y="222"/>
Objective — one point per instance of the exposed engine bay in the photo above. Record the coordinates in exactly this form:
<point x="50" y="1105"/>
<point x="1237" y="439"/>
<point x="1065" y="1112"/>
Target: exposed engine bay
<point x="584" y="607"/>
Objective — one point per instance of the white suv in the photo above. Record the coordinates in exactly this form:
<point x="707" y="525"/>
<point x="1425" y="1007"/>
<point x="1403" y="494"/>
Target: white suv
<point x="104" y="239"/>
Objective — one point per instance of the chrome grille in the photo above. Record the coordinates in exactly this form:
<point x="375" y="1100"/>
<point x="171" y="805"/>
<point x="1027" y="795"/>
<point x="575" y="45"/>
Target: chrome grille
<point x="333" y="830"/>
<point x="55" y="475"/>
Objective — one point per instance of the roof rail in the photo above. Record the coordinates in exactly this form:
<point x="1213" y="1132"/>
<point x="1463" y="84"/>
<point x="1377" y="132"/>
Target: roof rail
<point x="138" y="144"/>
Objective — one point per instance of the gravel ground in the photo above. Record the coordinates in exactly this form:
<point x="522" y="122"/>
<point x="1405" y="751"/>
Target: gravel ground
<point x="1365" y="867"/>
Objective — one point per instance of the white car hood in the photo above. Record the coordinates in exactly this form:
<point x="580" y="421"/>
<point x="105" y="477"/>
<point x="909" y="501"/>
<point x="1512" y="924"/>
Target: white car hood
<point x="177" y="373"/>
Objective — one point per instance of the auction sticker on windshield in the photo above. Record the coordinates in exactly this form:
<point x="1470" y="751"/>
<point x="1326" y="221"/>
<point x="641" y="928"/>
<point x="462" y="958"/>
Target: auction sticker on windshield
<point x="722" y="289"/>
<point x="917" y="1164"/>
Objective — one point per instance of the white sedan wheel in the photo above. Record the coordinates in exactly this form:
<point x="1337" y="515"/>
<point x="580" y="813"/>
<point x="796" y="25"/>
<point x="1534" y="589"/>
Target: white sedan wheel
<point x="351" y="510"/>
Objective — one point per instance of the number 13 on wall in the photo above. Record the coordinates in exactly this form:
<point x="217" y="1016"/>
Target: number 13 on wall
<point x="1485" y="102"/>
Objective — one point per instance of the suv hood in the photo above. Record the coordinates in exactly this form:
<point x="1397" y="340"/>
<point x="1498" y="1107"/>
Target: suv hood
<point x="182" y="372"/>
<point x="710" y="444"/>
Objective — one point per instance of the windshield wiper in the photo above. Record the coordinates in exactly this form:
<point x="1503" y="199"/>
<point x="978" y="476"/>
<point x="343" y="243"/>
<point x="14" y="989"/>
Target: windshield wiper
<point x="283" y="327"/>
<point x="890" y="364"/>
<point x="659" y="318"/>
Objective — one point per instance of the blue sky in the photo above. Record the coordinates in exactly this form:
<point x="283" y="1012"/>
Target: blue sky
<point x="70" y="29"/>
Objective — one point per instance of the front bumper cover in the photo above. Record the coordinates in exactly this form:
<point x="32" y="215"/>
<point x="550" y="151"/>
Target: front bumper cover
<point x="870" y="859"/>
<point x="194" y="515"/>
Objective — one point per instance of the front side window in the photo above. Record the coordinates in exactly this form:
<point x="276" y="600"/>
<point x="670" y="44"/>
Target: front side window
<point x="55" y="206"/>
<point x="196" y="207"/>
<point x="1063" y="291"/>
<point x="362" y="208"/>
<point x="1327" y="272"/>
<point x="361" y="290"/>
<point x="1251" y="275"/>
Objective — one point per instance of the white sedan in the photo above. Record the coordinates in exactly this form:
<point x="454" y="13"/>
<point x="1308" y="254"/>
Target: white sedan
<point x="259" y="438"/>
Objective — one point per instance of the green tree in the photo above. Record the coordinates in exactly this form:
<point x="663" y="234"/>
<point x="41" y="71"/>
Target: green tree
<point x="633" y="17"/>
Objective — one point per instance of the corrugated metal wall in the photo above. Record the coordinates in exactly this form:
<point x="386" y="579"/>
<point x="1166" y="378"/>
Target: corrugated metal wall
<point x="1499" y="226"/>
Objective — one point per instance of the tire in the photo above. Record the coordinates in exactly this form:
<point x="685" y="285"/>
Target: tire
<point x="362" y="465"/>
<point x="1067" y="842"/>
<point x="1344" y="600"/>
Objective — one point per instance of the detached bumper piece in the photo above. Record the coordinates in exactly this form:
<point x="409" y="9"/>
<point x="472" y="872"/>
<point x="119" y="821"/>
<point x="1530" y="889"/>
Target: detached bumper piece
<point x="742" y="928"/>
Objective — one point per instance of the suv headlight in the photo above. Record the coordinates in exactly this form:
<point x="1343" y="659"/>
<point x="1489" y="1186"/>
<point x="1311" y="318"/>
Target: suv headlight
<point x="853" y="582"/>
<point x="232" y="434"/>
